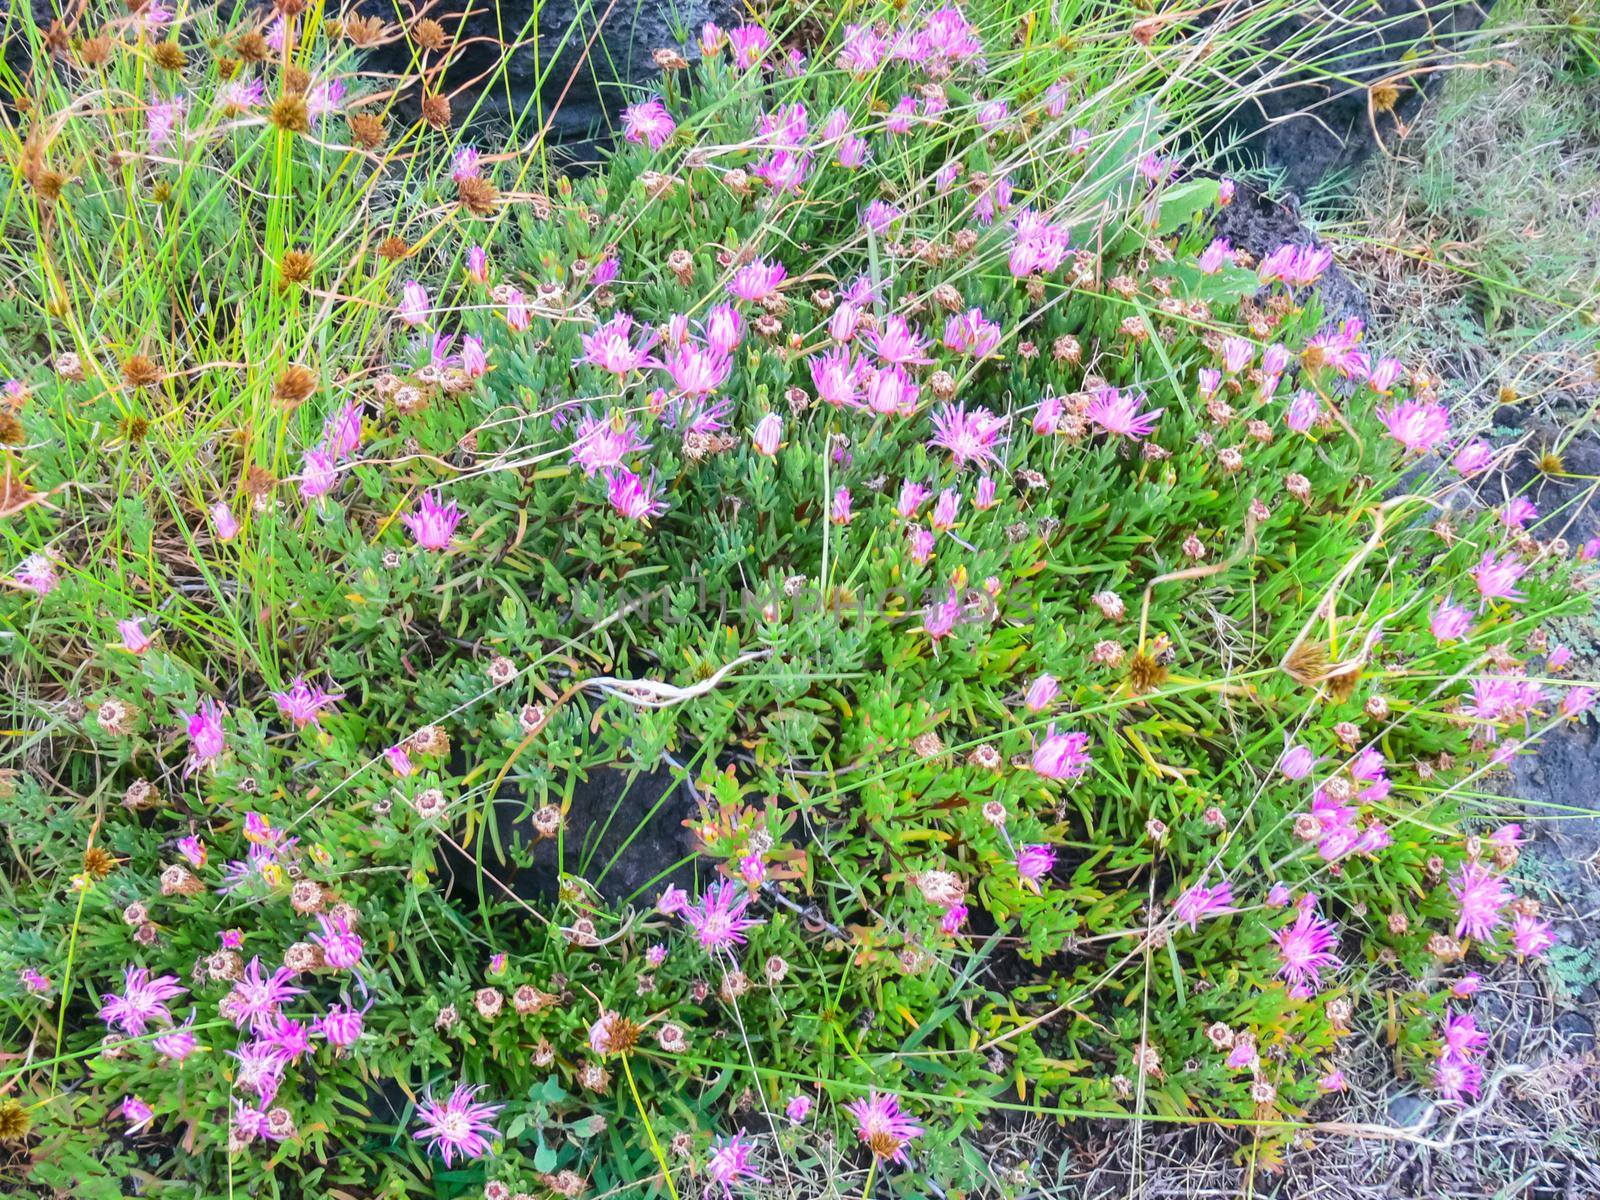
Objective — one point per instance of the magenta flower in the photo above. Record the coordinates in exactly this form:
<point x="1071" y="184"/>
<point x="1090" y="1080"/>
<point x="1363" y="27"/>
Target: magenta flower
<point x="207" y="738"/>
<point x="883" y="1126"/>
<point x="1297" y="266"/>
<point x="1218" y="254"/>
<point x="178" y="1043"/>
<point x="1200" y="901"/>
<point x="798" y="1107"/>
<point x="37" y="573"/>
<point x="340" y="1026"/>
<point x="303" y="703"/>
<point x="1461" y="1035"/>
<point x="1118" y="412"/>
<point x="458" y="1127"/>
<point x="478" y="264"/>
<point x="632" y="496"/>
<point x="1456" y="1078"/>
<point x="1576" y="702"/>
<point x="748" y="43"/>
<point x="1449" y="622"/>
<point x="1474" y="458"/>
<point x="1518" y="511"/>
<point x="223" y="520"/>
<point x="341" y="432"/>
<point x="433" y="524"/>
<point x="1035" y="860"/>
<point x="968" y="437"/>
<point x="840" y="513"/>
<point x="1297" y="761"/>
<point x="1062" y="755"/>
<point x="879" y="217"/>
<point x="730" y="1163"/>
<point x="257" y="999"/>
<point x="649" y="122"/>
<point x="1481" y="895"/>
<point x="836" y="374"/>
<point x="697" y="370"/>
<point x="143" y="1001"/>
<point x="972" y="333"/>
<point x="136" y="1113"/>
<point x="134" y="639"/>
<point x="891" y="391"/>
<point x="1306" y="948"/>
<point x="341" y="946"/>
<point x="605" y="441"/>
<point x="1417" y="425"/>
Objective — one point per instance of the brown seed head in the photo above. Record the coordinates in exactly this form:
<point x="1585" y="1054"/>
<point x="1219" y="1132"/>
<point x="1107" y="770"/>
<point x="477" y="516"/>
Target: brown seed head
<point x="429" y="34"/>
<point x="169" y="56"/>
<point x="139" y="372"/>
<point x="294" y="385"/>
<point x="367" y="130"/>
<point x="436" y="110"/>
<point x="98" y="862"/>
<point x="289" y="114"/>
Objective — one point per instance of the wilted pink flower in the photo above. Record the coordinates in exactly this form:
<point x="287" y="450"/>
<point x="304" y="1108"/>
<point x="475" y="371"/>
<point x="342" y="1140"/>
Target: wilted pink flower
<point x="37" y="573"/>
<point x="134" y="639"/>
<point x="648" y="121"/>
<point x="883" y="1127"/>
<point x="1530" y="936"/>
<point x="222" y="520"/>
<point x="458" y="1127"/>
<point x="136" y="1113"/>
<point x="433" y="524"/>
<point x="1118" y="412"/>
<point x="1480" y="895"/>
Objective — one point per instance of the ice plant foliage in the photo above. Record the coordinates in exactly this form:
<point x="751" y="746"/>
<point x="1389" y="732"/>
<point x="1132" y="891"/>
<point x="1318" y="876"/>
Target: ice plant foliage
<point x="875" y="511"/>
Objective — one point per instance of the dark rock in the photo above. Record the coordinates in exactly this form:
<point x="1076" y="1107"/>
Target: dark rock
<point x="1407" y="1108"/>
<point x="1254" y="223"/>
<point x="1307" y="127"/>
<point x="578" y="69"/>
<point x="624" y="835"/>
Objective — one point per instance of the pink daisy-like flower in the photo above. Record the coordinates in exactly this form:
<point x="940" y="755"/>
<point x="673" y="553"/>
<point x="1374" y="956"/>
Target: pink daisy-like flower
<point x="605" y="441"/>
<point x="632" y="496"/>
<point x="303" y="703"/>
<point x="798" y="1107"/>
<point x="718" y="919"/>
<point x="1297" y="761"/>
<point x="1041" y="693"/>
<point x="891" y="391"/>
<point x="1461" y="1035"/>
<point x="1449" y="622"/>
<point x="967" y="436"/>
<point x="1530" y="937"/>
<point x="458" y="1127"/>
<point x="883" y="1126"/>
<point x="897" y="341"/>
<point x="415" y="306"/>
<point x="433" y="524"/>
<point x="134" y="639"/>
<point x="1457" y="1078"/>
<point x="257" y="999"/>
<point x="1200" y="901"/>
<point x="648" y="122"/>
<point x="730" y="1163"/>
<point x="136" y="1113"/>
<point x="1496" y="578"/>
<point x="143" y="1001"/>
<point x="758" y="280"/>
<point x="1481" y="895"/>
<point x="1306" y="950"/>
<point x="611" y="347"/>
<point x="341" y="946"/>
<point x="1117" y="412"/>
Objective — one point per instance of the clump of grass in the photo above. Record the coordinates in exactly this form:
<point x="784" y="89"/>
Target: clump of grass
<point x="1018" y="578"/>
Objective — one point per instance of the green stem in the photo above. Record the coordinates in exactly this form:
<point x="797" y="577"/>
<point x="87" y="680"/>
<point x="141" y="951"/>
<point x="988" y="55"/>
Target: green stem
<point x="655" y="1146"/>
<point x="872" y="1171"/>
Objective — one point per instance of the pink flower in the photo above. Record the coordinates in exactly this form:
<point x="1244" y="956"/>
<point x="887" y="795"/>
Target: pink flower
<point x="1333" y="1081"/>
<point x="1385" y="374"/>
<point x="896" y="341"/>
<point x="341" y="432"/>
<point x="985" y="495"/>
<point x="1215" y="256"/>
<point x="1450" y="622"/>
<point x="1035" y="860"/>
<point x="176" y="1044"/>
<point x="879" y="216"/>
<point x="718" y="920"/>
<point x="912" y="496"/>
<point x="136" y="1113"/>
<point x="768" y="435"/>
<point x="399" y="761"/>
<point x="319" y="475"/>
<point x="836" y="373"/>
<point x="610" y="347"/>
<point x="518" y="316"/>
<point x="223" y="521"/>
<point x="1304" y="410"/>
<point x="458" y="1127"/>
<point x="207" y="739"/>
<point x="1467" y="985"/>
<point x="1118" y="413"/>
<point x="724" y="328"/>
<point x="143" y="1001"/>
<point x="696" y="370"/>
<point x="1456" y="1078"/>
<point x="891" y="391"/>
<point x="1461" y="1035"/>
<point x="972" y="333"/>
<point x="433" y="525"/>
<point x="414" y="303"/>
<point x="1041" y="693"/>
<point x="478" y="264"/>
<point x="840" y="513"/>
<point x="967" y="436"/>
<point x="673" y="900"/>
<point x="749" y="43"/>
<point x="798" y="1107"/>
<point x="1474" y="458"/>
<point x="1297" y="266"/>
<point x="940" y="617"/>
<point x="1480" y="896"/>
<point x="1297" y="761"/>
<point x="134" y="639"/>
<point x="258" y="999"/>
<point x="605" y="441"/>
<point x="1306" y="950"/>
<point x="883" y="1127"/>
<point x="730" y="1164"/>
<point x="1576" y="702"/>
<point x="37" y="573"/>
<point x="1062" y="755"/>
<point x="1496" y="578"/>
<point x="1518" y="511"/>
<point x="648" y="121"/>
<point x="1530" y="936"/>
<point x="341" y="946"/>
<point x="340" y="1026"/>
<point x="757" y="281"/>
<point x="1200" y="901"/>
<point x="633" y="497"/>
<point x="1417" y="425"/>
<point x="945" y="509"/>
<point x="303" y="703"/>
